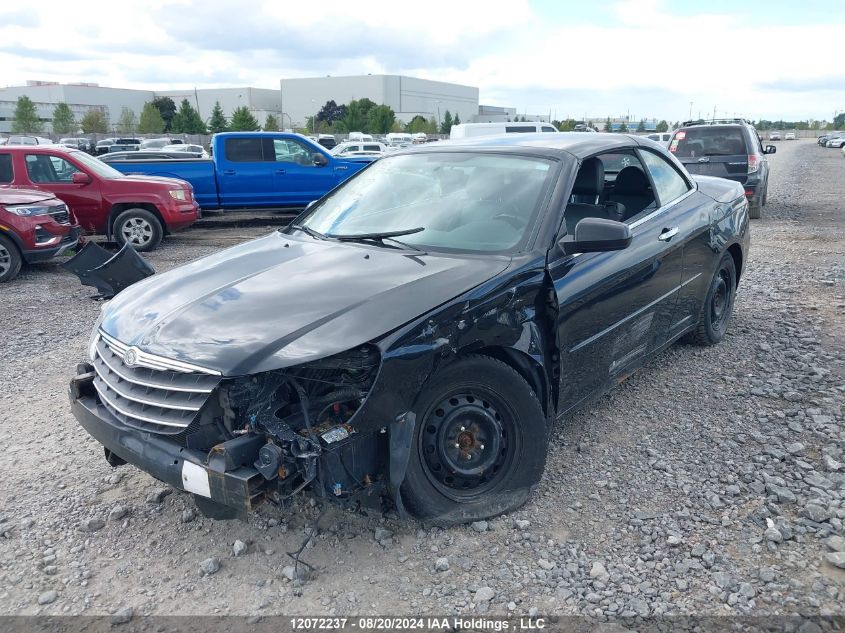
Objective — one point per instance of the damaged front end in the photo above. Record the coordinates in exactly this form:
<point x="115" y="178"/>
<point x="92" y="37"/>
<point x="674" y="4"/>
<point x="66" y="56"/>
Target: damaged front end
<point x="264" y="437"/>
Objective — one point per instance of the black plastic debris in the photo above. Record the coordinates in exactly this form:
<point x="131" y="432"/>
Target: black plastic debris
<point x="108" y="273"/>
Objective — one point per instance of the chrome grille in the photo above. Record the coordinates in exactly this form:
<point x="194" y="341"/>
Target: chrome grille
<point x="154" y="393"/>
<point x="60" y="214"/>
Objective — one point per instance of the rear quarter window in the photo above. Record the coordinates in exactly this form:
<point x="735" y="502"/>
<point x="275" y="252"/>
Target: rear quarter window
<point x="709" y="141"/>
<point x="7" y="175"/>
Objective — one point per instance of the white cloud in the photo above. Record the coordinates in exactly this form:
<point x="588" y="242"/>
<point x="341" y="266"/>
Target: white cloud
<point x="638" y="55"/>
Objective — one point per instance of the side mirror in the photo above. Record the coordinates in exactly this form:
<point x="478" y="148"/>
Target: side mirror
<point x="320" y="160"/>
<point x="596" y="235"/>
<point x="80" y="178"/>
<point x="770" y="149"/>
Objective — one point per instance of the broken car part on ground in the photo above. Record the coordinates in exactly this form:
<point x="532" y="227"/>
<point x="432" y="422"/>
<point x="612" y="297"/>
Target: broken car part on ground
<point x="413" y="335"/>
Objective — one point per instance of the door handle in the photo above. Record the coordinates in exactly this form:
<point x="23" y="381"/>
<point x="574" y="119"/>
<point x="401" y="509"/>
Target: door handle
<point x="229" y="172"/>
<point x="668" y="234"/>
<point x="281" y="172"/>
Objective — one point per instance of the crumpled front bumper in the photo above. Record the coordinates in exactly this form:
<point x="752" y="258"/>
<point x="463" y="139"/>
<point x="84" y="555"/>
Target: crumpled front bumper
<point x="218" y="480"/>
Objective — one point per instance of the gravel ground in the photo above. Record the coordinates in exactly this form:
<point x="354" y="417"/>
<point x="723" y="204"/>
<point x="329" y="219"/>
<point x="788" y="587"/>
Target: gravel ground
<point x="712" y="482"/>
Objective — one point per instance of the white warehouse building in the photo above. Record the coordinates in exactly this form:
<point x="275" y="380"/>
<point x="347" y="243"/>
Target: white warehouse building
<point x="293" y="102"/>
<point x="407" y="96"/>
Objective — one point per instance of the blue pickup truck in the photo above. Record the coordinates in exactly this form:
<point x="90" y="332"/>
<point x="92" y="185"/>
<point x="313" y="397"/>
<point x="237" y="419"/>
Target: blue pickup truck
<point x="254" y="169"/>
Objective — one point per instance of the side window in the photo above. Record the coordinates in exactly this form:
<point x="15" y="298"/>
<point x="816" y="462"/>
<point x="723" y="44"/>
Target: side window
<point x="44" y="168"/>
<point x="6" y="173"/>
<point x="290" y="151"/>
<point x="548" y="128"/>
<point x="372" y="148"/>
<point x="243" y="150"/>
<point x="668" y="182"/>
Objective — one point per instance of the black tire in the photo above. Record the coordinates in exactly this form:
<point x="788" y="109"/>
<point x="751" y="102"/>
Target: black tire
<point x="10" y="259"/>
<point x="139" y="227"/>
<point x="765" y="198"/>
<point x="755" y="210"/>
<point x="480" y="409"/>
<point x="718" y="305"/>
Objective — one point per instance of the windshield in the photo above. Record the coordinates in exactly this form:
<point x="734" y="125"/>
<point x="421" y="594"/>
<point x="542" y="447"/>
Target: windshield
<point x="708" y="141"/>
<point x="462" y="201"/>
<point x="96" y="165"/>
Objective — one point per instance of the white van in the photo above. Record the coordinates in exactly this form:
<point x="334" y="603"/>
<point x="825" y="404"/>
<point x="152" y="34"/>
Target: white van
<point x="399" y="139"/>
<point x="360" y="137"/>
<point x="465" y="130"/>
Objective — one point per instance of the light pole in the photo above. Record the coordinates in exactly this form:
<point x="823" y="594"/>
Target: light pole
<point x="314" y="119"/>
<point x="690" y="110"/>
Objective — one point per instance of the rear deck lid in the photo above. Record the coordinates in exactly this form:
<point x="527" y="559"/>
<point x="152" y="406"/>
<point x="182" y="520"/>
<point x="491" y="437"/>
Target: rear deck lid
<point x="712" y="150"/>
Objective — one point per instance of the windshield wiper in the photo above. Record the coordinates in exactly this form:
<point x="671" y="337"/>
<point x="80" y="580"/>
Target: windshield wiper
<point x="309" y="230"/>
<point x="377" y="237"/>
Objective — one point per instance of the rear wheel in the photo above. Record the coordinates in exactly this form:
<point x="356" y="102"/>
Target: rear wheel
<point x="10" y="259"/>
<point x="139" y="228"/>
<point x="755" y="210"/>
<point x="479" y="446"/>
<point x="718" y="305"/>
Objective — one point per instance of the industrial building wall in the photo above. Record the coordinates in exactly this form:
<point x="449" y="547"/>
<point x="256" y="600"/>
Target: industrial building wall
<point x="258" y="100"/>
<point x="304" y="97"/>
<point x="428" y="98"/>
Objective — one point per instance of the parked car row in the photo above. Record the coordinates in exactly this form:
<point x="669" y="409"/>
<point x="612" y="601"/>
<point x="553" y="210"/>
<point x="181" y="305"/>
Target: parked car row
<point x="832" y="139"/>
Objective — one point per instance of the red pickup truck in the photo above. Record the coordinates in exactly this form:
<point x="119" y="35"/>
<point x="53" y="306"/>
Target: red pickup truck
<point x="135" y="209"/>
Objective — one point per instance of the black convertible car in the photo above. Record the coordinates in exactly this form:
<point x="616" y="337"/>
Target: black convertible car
<point x="412" y="336"/>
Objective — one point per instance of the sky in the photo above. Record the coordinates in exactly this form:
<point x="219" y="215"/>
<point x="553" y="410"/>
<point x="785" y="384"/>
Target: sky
<point x="664" y="59"/>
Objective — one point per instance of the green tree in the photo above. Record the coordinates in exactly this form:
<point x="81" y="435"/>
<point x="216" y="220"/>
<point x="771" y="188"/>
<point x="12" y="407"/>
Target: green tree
<point x="380" y="119"/>
<point x="150" y="121"/>
<point x="590" y="125"/>
<point x="567" y="125"/>
<point x="839" y="121"/>
<point x="416" y="125"/>
<point x="457" y="119"/>
<point x="94" y="122"/>
<point x="243" y="121"/>
<point x="623" y="128"/>
<point x="167" y="108"/>
<point x="187" y="120"/>
<point x="446" y="125"/>
<point x="128" y="122"/>
<point x="663" y="126"/>
<point x="217" y="122"/>
<point x="641" y="126"/>
<point x="331" y="112"/>
<point x="608" y="126"/>
<point x="26" y="119"/>
<point x="356" y="116"/>
<point x="271" y="124"/>
<point x="63" y="120"/>
<point x="398" y="126"/>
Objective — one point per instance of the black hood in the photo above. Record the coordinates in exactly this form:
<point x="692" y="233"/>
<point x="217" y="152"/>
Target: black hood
<point x="280" y="300"/>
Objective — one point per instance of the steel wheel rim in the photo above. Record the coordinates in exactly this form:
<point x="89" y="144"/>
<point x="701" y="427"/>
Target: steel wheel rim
<point x="467" y="443"/>
<point x="5" y="260"/>
<point x="137" y="231"/>
<point x="721" y="301"/>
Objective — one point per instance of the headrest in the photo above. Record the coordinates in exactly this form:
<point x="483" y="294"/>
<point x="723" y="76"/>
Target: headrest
<point x="589" y="181"/>
<point x="631" y="180"/>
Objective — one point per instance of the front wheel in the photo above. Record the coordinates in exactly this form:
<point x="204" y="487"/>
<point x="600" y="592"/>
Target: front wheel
<point x="479" y="446"/>
<point x="718" y="305"/>
<point x="10" y="259"/>
<point x="139" y="228"/>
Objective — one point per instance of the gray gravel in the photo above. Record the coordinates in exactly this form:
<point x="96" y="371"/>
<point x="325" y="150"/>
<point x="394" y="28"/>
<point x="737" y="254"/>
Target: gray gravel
<point x="712" y="482"/>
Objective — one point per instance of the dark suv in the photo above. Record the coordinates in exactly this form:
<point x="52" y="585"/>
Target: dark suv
<point x="728" y="149"/>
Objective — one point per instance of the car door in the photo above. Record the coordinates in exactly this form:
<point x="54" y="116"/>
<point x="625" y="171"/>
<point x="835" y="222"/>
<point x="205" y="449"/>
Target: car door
<point x="688" y="214"/>
<point x="614" y="307"/>
<point x="245" y="173"/>
<point x="54" y="173"/>
<point x="298" y="179"/>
